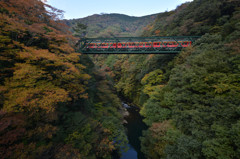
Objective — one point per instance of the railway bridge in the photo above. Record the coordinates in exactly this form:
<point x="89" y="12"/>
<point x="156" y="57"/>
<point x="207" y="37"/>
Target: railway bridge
<point x="135" y="45"/>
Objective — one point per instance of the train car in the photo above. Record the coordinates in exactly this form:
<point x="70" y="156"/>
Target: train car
<point x="139" y="45"/>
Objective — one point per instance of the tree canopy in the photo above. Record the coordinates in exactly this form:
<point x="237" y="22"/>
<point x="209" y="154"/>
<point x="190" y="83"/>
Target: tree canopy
<point x="48" y="92"/>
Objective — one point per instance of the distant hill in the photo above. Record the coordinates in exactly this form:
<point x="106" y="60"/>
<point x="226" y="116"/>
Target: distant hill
<point x="110" y="25"/>
<point x="196" y="18"/>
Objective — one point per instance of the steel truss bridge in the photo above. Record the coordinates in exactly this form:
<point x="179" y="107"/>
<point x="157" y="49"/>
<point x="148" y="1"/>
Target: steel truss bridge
<point x="135" y="45"/>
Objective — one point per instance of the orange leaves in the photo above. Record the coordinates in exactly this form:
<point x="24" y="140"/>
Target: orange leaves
<point x="34" y="92"/>
<point x="7" y="120"/>
<point x="40" y="76"/>
<point x="149" y="57"/>
<point x="234" y="45"/>
<point x="63" y="48"/>
<point x="11" y="126"/>
<point x="37" y="28"/>
<point x="32" y="9"/>
<point x="160" y="129"/>
<point x="45" y="77"/>
<point x="150" y="27"/>
<point x="64" y="68"/>
<point x="31" y="54"/>
<point x="47" y="131"/>
<point x="26" y="71"/>
<point x="105" y="147"/>
<point x="45" y="97"/>
<point x="157" y="32"/>
<point x="29" y="19"/>
<point x="11" y="130"/>
<point x="66" y="152"/>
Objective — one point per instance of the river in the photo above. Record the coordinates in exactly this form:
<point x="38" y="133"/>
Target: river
<point x="134" y="127"/>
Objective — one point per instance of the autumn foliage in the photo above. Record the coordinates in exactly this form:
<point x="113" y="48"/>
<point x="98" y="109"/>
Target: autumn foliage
<point x="44" y="88"/>
<point x="191" y="100"/>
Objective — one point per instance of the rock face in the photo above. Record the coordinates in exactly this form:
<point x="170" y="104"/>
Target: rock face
<point x="125" y="105"/>
<point x="124" y="112"/>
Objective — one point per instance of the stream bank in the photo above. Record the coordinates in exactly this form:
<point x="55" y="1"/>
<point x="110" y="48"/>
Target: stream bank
<point x="134" y="125"/>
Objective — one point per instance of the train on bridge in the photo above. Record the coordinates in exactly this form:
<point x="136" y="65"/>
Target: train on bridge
<point x="135" y="45"/>
<point x="139" y="45"/>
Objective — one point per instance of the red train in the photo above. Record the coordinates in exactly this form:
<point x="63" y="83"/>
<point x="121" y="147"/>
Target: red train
<point x="139" y="45"/>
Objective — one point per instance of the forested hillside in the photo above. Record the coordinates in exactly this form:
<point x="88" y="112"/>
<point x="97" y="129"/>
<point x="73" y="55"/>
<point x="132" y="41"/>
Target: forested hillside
<point x="113" y="25"/>
<point x="54" y="103"/>
<point x="190" y="102"/>
<point x="195" y="18"/>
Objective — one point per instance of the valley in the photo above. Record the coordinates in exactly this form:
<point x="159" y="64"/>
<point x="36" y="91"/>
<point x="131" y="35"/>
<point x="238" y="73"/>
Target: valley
<point x="56" y="102"/>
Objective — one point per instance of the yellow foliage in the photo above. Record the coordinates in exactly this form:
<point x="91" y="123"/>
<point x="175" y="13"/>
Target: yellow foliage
<point x="27" y="92"/>
<point x="153" y="77"/>
<point x="152" y="81"/>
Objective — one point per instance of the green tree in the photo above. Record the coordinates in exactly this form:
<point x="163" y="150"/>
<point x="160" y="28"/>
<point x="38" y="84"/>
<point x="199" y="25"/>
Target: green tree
<point x="80" y="30"/>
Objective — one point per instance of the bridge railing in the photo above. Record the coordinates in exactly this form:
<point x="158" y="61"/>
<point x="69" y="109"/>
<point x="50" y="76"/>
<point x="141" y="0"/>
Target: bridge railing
<point x="135" y="45"/>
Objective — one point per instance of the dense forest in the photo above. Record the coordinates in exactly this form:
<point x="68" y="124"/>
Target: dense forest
<point x="112" y="25"/>
<point x="194" y="111"/>
<point x="54" y="104"/>
<point x="57" y="103"/>
<point x="190" y="102"/>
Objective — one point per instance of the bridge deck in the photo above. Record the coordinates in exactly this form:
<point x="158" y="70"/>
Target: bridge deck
<point x="135" y="45"/>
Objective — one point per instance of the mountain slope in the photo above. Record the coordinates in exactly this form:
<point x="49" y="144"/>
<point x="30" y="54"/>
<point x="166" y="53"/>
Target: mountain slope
<point x="53" y="102"/>
<point x="190" y="102"/>
<point x="110" y="25"/>
<point x="195" y="18"/>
